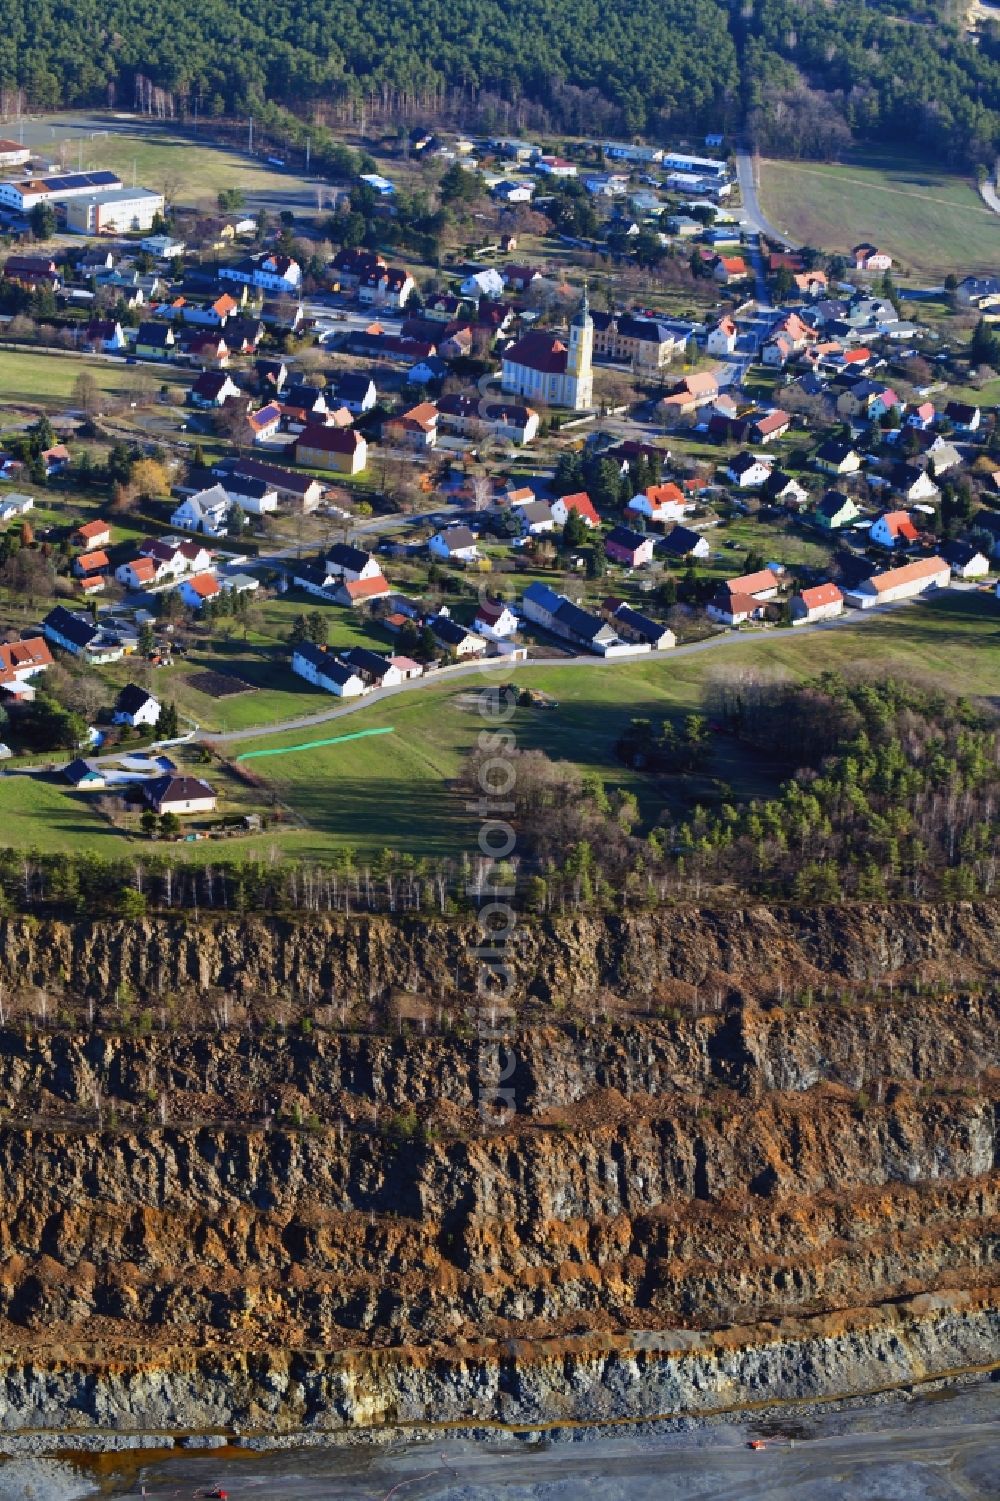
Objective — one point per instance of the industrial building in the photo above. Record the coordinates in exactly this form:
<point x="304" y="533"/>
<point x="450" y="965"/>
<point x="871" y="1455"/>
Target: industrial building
<point x="114" y="211"/>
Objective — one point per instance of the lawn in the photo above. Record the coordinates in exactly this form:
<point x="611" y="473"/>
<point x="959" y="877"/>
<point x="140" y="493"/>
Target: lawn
<point x="396" y="789"/>
<point x="930" y="220"/>
<point x="41" y="815"/>
<point x="48" y="379"/>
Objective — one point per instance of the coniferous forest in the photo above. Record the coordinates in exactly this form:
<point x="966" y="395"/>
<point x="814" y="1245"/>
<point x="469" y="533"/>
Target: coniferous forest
<point x="803" y="75"/>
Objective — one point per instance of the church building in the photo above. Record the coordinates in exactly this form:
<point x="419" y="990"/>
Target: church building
<point x="558" y="371"/>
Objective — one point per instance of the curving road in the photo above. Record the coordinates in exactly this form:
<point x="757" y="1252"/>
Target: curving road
<point x="752" y="210"/>
<point x="490" y="666"/>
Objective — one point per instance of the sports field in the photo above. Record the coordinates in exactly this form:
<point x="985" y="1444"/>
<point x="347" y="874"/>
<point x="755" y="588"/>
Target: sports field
<point x="930" y="221"/>
<point x="187" y="170"/>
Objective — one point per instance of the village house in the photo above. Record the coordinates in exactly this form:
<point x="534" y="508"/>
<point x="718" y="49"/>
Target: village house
<point x="357" y="393"/>
<point x="907" y="582"/>
<point x="265" y="422"/>
<point x="581" y="504"/>
<point x="722" y="338"/>
<point x="823" y="602"/>
<point x="942" y="456"/>
<point x="341" y="450"/>
<point x="867" y="399"/>
<point x="835" y="457"/>
<point x="748" y="471"/>
<point x="769" y="426"/>
<point x="870" y="258"/>
<point x="105" y="335"/>
<point x="81" y="636"/>
<point x="631" y="549"/>
<point x="374" y="669"/>
<point x="728" y="607"/>
<point x="834" y="511"/>
<point x="357" y="592"/>
<point x="762" y="585"/>
<point x="305" y="490"/>
<point x="660" y="503"/>
<point x="138" y="573"/>
<point x="682" y="542"/>
<point x="269" y="272"/>
<point x="920" y="416"/>
<point x="55" y="459"/>
<point x="536" y="518"/>
<point x="211" y="350"/>
<point x="255" y="496"/>
<point x="324" y="670"/>
<point x="213" y="389"/>
<point x="692" y="392"/>
<point x="963" y="417"/>
<point x="416" y="428"/>
<point x="31" y="272"/>
<point x="136" y="707"/>
<point x="495" y="620"/>
<point x="91" y="534"/>
<point x="195" y="592"/>
<point x="554" y="612"/>
<point x="632" y="625"/>
<point x="455" y="544"/>
<point x="454" y="638"/>
<point x="913" y="483"/>
<point x="90" y="567"/>
<point x="510" y="422"/>
<point x="781" y="489"/>
<point x="965" y="560"/>
<point x="346" y="561"/>
<point x="179" y="795"/>
<point x="206" y="512"/>
<point x="20" y="661"/>
<point x="272" y="376"/>
<point x="386" y="287"/>
<point x="727" y="269"/>
<point x="85" y="776"/>
<point x="154" y="341"/>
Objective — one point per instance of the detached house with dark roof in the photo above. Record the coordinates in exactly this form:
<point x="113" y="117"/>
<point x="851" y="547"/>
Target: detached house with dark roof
<point x="135" y="706"/>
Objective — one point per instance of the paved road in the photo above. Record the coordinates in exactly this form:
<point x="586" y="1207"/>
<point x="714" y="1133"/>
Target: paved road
<point x="752" y="211"/>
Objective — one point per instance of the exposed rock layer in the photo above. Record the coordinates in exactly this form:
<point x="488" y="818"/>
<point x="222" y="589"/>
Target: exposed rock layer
<point x="220" y="1226"/>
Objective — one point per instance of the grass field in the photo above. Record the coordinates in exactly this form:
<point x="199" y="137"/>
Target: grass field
<point x="395" y="789"/>
<point x="931" y="221"/>
<point x="48" y="379"/>
<point x="44" y="816"/>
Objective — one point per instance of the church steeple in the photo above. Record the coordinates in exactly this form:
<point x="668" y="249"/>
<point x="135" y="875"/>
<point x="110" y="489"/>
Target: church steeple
<point x="580" y="358"/>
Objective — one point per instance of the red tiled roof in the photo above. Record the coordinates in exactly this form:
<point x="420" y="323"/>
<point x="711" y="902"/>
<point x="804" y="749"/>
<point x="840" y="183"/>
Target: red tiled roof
<point x="539" y="351"/>
<point x="822" y="594"/>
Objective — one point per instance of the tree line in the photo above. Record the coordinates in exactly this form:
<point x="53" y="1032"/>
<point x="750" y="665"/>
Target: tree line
<point x="807" y="75"/>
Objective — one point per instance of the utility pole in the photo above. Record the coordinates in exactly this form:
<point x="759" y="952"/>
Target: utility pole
<point x="250" y="140"/>
<point x="308" y="150"/>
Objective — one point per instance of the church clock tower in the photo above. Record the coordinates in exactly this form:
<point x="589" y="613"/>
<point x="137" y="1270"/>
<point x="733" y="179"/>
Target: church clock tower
<point x="580" y="359"/>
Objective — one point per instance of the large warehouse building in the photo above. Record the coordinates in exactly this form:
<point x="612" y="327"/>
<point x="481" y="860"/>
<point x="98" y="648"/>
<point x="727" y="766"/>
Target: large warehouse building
<point x="114" y="211"/>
